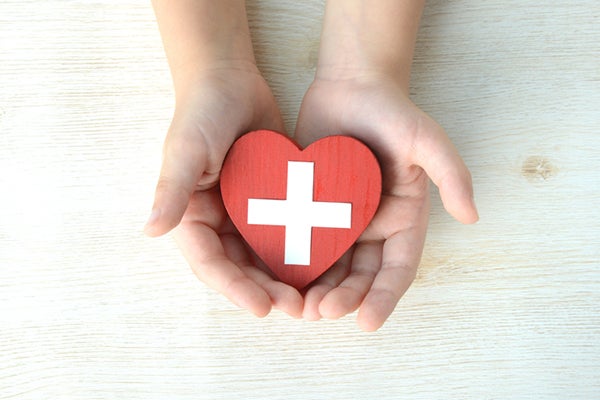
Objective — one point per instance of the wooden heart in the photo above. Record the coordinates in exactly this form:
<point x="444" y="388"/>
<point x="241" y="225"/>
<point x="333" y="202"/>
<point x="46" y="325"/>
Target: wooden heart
<point x="300" y="210"/>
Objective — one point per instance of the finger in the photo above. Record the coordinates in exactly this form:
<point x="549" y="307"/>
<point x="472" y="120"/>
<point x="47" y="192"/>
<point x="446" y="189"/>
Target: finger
<point x="204" y="251"/>
<point x="326" y="282"/>
<point x="436" y="154"/>
<point x="401" y="255"/>
<point x="346" y="298"/>
<point x="184" y="161"/>
<point x="283" y="297"/>
<point x="312" y="298"/>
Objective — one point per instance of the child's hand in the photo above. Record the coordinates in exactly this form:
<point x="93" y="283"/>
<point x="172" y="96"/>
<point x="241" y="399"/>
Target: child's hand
<point x="361" y="90"/>
<point x="218" y="106"/>
<point x="410" y="146"/>
<point x="220" y="95"/>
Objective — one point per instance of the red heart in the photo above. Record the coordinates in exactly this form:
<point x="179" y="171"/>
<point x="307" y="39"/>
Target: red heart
<point x="334" y="191"/>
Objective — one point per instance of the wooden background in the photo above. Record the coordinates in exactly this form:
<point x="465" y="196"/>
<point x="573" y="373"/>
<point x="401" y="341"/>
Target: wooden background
<point x="91" y="309"/>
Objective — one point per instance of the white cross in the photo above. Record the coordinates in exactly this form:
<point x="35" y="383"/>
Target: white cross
<point x="299" y="213"/>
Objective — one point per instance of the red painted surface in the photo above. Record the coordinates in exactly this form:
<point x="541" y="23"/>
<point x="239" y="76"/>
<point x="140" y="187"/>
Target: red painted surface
<point x="345" y="170"/>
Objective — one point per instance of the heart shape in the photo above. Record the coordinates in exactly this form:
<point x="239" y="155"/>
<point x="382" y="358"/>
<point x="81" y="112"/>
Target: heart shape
<point x="300" y="210"/>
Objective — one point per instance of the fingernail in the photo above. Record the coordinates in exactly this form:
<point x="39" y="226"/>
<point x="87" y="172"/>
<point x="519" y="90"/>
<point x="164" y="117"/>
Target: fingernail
<point x="152" y="219"/>
<point x="475" y="208"/>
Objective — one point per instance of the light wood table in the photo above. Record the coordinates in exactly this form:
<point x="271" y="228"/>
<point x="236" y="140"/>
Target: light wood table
<point x="92" y="309"/>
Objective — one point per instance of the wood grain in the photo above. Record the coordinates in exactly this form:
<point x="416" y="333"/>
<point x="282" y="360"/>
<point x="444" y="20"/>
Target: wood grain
<point x="344" y="171"/>
<point x="91" y="309"/>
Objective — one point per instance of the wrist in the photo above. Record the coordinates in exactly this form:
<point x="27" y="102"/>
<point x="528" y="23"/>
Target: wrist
<point x="201" y="35"/>
<point x="361" y="37"/>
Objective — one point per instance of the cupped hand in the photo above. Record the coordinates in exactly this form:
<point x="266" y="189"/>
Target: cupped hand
<point x="217" y="105"/>
<point x="411" y="148"/>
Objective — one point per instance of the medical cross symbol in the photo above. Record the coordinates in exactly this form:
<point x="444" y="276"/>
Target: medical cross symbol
<point x="299" y="213"/>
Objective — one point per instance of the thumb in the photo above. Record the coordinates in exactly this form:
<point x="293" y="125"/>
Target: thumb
<point x="436" y="154"/>
<point x="184" y="162"/>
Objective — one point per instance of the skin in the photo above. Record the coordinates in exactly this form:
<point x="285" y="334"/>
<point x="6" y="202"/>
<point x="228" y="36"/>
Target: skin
<point x="360" y="89"/>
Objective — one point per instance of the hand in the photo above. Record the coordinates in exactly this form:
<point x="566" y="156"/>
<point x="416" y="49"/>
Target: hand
<point x="220" y="104"/>
<point x="380" y="267"/>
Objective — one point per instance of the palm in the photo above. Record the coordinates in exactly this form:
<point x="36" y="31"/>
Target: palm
<point x="382" y="264"/>
<point x="221" y="258"/>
